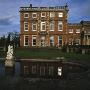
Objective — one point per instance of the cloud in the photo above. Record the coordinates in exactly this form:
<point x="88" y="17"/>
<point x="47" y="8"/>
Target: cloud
<point x="5" y="21"/>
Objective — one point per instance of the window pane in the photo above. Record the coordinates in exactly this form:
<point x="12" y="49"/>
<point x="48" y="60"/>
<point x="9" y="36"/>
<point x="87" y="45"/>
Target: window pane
<point x="52" y="14"/>
<point x="34" y="26"/>
<point x="60" y="40"/>
<point x="60" y="14"/>
<point x="52" y="41"/>
<point x="60" y="26"/>
<point x="26" y="15"/>
<point x="43" y="26"/>
<point x="34" y="15"/>
<point x="25" y="26"/>
<point x="26" y="40"/>
<point x="52" y="26"/>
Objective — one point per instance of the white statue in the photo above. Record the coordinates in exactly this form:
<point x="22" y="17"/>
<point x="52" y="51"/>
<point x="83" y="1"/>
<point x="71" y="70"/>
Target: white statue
<point x="10" y="53"/>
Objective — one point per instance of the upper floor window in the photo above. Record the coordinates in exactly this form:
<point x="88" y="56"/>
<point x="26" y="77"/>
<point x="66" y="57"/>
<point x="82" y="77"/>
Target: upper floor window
<point x="70" y="30"/>
<point x="77" y="30"/>
<point x="34" y="26"/>
<point x="43" y="14"/>
<point x="51" y="25"/>
<point x="60" y="14"/>
<point x="26" y="15"/>
<point x="60" y="26"/>
<point x="43" y="26"/>
<point x="52" y="14"/>
<point x="25" y="26"/>
<point x="34" y="15"/>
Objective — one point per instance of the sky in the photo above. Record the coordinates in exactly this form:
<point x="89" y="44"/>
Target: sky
<point x="9" y="11"/>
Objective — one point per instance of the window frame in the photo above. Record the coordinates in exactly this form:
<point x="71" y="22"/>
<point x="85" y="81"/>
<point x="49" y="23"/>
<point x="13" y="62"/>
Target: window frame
<point x="34" y="36"/>
<point x="34" y="14"/>
<point x="51" y="41"/>
<point x="60" y="14"/>
<point x="25" y="41"/>
<point x="77" y="31"/>
<point x="27" y="15"/>
<point x="52" y="14"/>
<point x="70" y="30"/>
<point x="60" y="39"/>
<point x="42" y="26"/>
<point x="42" y="14"/>
<point x="60" y="23"/>
<point x="26" y="24"/>
<point x="52" y="23"/>
<point x="33" y="26"/>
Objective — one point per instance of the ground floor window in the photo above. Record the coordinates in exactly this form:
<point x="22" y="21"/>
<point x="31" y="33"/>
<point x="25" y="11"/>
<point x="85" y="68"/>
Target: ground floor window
<point x="51" y="40"/>
<point x="42" y="71"/>
<point x="33" y="40"/>
<point x="26" y="40"/>
<point x="60" y="40"/>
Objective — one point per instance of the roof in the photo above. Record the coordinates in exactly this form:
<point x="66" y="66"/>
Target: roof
<point x="30" y="8"/>
<point x="74" y="24"/>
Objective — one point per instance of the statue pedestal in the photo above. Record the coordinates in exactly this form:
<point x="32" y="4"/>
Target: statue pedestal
<point x="9" y="62"/>
<point x="9" y="67"/>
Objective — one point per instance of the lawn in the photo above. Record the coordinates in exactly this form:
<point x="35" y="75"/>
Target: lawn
<point x="48" y="53"/>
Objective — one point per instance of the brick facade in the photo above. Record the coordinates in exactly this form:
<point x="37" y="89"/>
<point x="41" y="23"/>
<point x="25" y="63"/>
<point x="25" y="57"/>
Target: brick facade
<point x="48" y="26"/>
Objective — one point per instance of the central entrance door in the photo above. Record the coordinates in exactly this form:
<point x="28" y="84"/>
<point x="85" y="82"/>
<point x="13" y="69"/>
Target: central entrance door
<point x="43" y="41"/>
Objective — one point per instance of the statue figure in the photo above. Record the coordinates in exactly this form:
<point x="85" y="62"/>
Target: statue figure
<point x="10" y="52"/>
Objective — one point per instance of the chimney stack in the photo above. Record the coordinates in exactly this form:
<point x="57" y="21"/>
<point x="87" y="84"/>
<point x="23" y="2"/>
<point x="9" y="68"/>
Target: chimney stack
<point x="30" y="5"/>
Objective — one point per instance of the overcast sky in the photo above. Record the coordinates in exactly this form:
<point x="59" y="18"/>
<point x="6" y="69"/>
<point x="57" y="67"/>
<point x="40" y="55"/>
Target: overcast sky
<point x="9" y="11"/>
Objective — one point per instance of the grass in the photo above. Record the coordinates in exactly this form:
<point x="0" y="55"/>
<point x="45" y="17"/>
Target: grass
<point x="48" y="53"/>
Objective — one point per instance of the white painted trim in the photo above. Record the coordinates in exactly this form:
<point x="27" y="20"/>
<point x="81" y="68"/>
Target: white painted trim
<point x="27" y="14"/>
<point x="33" y="14"/>
<point x="42" y="24"/>
<point x="60" y="23"/>
<point x="60" y="14"/>
<point x="32" y="27"/>
<point x="42" y="13"/>
<point x="24" y="40"/>
<point x="24" y="26"/>
<point x="32" y="39"/>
